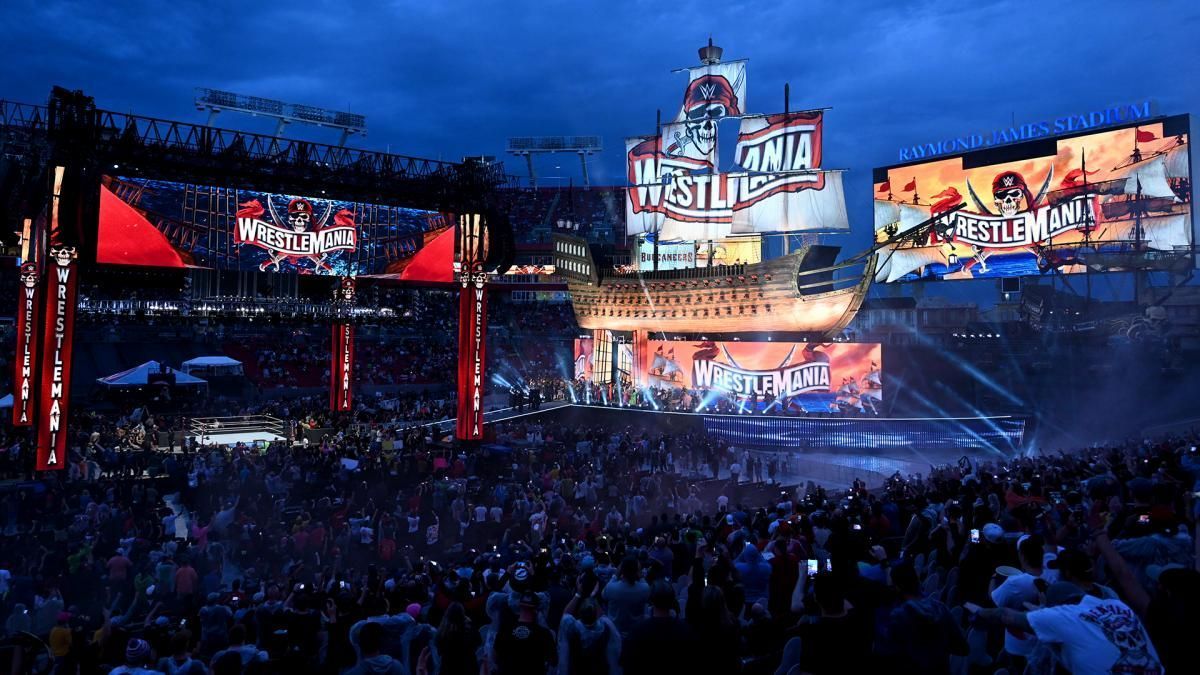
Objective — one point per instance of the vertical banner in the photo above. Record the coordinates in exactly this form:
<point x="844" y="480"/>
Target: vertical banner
<point x="472" y="330"/>
<point x="341" y="367"/>
<point x="25" y="357"/>
<point x="62" y="286"/>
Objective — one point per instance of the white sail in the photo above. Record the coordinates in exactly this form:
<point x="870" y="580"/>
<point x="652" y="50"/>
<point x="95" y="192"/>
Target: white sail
<point x="886" y="213"/>
<point x="902" y="261"/>
<point x="805" y="210"/>
<point x="1176" y="160"/>
<point x="1163" y="233"/>
<point x="883" y="264"/>
<point x="1148" y="178"/>
<point x="912" y="215"/>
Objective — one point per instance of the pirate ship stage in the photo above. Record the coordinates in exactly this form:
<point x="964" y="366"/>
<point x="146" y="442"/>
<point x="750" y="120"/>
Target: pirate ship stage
<point x="799" y="292"/>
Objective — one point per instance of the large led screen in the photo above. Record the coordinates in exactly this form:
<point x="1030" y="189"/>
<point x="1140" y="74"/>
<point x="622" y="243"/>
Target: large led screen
<point x="162" y="223"/>
<point x="767" y="376"/>
<point x="1053" y="205"/>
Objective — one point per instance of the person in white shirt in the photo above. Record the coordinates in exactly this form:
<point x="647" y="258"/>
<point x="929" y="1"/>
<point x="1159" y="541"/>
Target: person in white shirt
<point x="1097" y="635"/>
<point x="1021" y="588"/>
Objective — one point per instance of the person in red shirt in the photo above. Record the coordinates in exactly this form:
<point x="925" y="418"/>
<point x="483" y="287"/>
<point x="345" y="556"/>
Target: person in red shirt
<point x="118" y="572"/>
<point x="186" y="580"/>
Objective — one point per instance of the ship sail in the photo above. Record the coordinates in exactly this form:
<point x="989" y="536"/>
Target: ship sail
<point x="1147" y="179"/>
<point x="806" y="210"/>
<point x="886" y="212"/>
<point x="912" y="215"/>
<point x="1163" y="233"/>
<point x="1176" y="161"/>
<point x="714" y="90"/>
<point x="902" y="261"/>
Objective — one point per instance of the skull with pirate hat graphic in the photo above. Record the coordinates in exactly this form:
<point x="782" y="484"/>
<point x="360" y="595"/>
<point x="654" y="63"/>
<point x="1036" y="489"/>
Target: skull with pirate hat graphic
<point x="708" y="99"/>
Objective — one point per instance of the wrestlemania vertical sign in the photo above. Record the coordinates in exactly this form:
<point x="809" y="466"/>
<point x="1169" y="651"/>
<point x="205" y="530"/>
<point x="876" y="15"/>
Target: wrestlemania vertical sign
<point x="341" y="370"/>
<point x="472" y="322"/>
<point x="62" y="287"/>
<point x="26" y="352"/>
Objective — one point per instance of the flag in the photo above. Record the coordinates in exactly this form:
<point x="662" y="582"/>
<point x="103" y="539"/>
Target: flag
<point x="911" y="187"/>
<point x="1074" y="175"/>
<point x="1145" y="136"/>
<point x="885" y="186"/>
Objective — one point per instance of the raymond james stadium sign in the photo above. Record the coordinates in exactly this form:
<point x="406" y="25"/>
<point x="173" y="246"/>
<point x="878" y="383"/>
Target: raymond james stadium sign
<point x="1066" y="124"/>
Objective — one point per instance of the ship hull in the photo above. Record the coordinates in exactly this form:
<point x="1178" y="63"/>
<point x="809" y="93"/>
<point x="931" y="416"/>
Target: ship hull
<point x="763" y="297"/>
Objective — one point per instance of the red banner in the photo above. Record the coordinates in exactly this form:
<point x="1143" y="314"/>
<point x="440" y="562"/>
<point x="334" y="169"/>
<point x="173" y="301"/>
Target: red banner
<point x="25" y="357"/>
<point x="341" y="367"/>
<point x="62" y="285"/>
<point x="472" y="331"/>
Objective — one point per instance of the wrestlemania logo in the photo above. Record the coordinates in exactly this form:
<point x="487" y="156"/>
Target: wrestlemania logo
<point x="783" y="381"/>
<point x="1020" y="219"/>
<point x="676" y="173"/>
<point x="299" y="238"/>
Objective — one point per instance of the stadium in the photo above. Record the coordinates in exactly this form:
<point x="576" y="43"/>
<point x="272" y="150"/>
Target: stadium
<point x="282" y="402"/>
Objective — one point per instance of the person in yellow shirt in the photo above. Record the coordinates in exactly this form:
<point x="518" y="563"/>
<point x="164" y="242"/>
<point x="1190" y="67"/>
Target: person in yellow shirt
<point x="60" y="636"/>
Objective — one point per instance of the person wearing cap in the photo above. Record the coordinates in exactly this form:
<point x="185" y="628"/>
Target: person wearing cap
<point x="524" y="646"/>
<point x="137" y="654"/>
<point x="1025" y="586"/>
<point x="1097" y="635"/>
<point x="60" y="636"/>
<point x="214" y="625"/>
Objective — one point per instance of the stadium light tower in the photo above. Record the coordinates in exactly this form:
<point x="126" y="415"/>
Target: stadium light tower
<point x="528" y="146"/>
<point x="215" y="101"/>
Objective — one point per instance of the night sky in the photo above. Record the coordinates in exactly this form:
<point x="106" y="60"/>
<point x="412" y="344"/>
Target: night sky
<point x="444" y="79"/>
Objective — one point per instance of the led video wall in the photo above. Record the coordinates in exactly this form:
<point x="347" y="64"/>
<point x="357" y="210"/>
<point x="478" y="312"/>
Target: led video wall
<point x="769" y="376"/>
<point x="1052" y="205"/>
<point x="162" y="223"/>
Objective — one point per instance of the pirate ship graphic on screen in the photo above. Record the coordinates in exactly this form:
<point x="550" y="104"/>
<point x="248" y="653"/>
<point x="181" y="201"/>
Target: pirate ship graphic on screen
<point x="167" y="224"/>
<point x="1117" y="199"/>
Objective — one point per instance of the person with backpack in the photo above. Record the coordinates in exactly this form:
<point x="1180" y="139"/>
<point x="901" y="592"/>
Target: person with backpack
<point x="588" y="643"/>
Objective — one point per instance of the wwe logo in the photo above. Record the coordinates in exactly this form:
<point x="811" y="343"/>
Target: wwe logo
<point x="707" y="90"/>
<point x="1009" y="180"/>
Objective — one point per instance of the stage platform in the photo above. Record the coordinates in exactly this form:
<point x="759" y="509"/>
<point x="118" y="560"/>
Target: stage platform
<point x="502" y="414"/>
<point x="247" y="429"/>
<point x="831" y="451"/>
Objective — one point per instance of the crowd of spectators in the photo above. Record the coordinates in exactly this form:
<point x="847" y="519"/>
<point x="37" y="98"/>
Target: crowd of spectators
<point x="376" y="549"/>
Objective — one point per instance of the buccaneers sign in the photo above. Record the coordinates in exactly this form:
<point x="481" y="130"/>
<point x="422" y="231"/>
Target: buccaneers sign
<point x="58" y="331"/>
<point x="26" y="354"/>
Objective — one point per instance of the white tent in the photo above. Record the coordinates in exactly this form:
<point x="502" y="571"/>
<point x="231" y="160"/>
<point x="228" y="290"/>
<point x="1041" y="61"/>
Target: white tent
<point x="212" y="365"/>
<point x="139" y="376"/>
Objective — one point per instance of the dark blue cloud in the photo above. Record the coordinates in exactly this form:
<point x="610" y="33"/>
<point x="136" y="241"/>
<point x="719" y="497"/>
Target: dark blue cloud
<point x="444" y="79"/>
